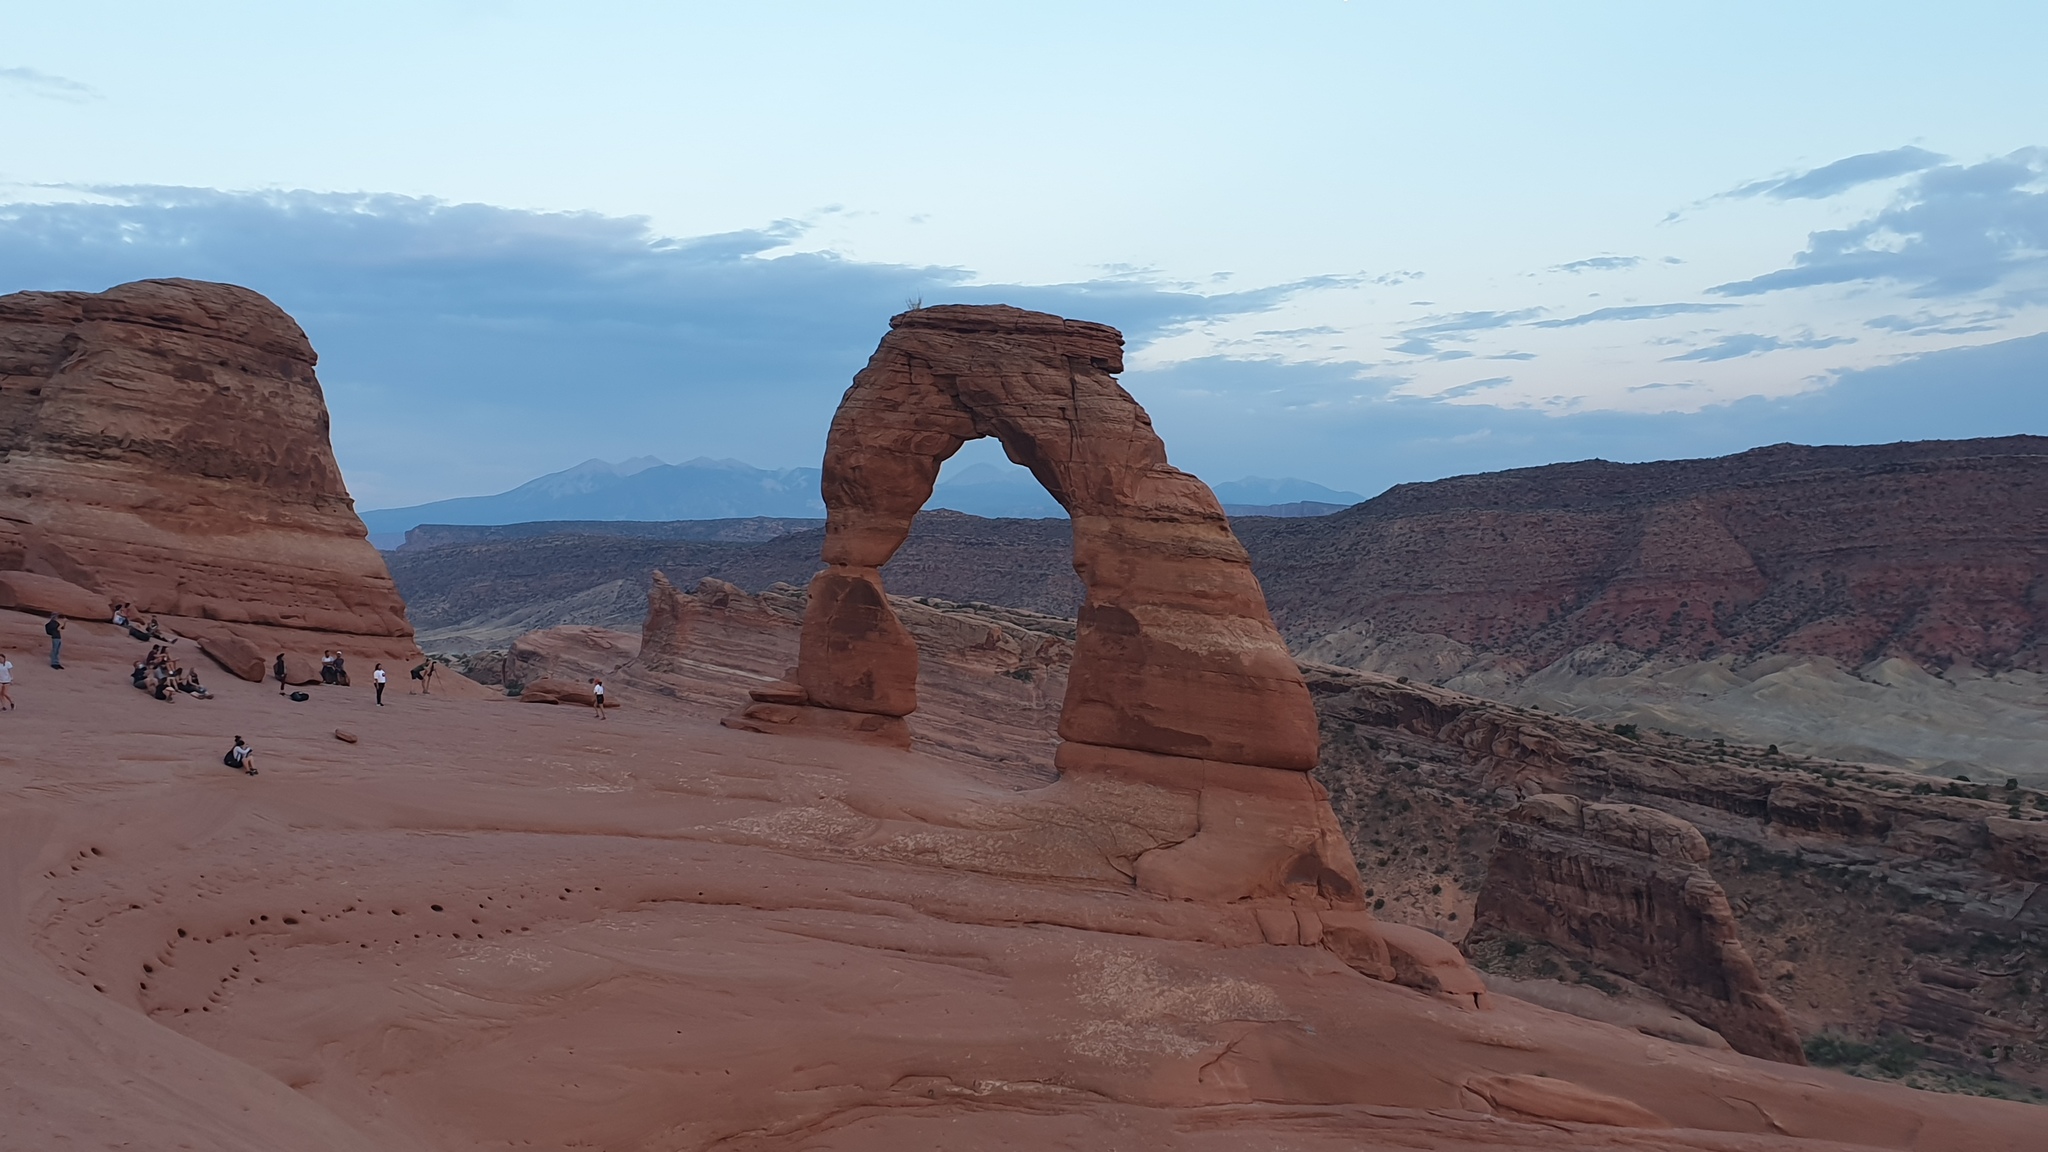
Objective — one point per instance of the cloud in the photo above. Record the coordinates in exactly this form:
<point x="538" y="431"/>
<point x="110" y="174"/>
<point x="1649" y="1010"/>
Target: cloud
<point x="1351" y="430"/>
<point x="47" y="85"/>
<point x="1632" y="312"/>
<point x="1955" y="230"/>
<point x="1422" y="339"/>
<point x="1929" y="324"/>
<point x="1750" y="344"/>
<point x="1842" y="175"/>
<point x="465" y="347"/>
<point x="1599" y="264"/>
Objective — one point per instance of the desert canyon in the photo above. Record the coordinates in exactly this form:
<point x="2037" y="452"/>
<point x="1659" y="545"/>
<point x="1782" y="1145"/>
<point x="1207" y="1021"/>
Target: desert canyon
<point x="1086" y="858"/>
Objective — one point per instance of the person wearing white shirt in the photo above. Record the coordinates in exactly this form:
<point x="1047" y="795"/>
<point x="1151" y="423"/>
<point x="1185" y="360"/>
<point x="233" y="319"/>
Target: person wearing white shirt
<point x="6" y="681"/>
<point x="377" y="675"/>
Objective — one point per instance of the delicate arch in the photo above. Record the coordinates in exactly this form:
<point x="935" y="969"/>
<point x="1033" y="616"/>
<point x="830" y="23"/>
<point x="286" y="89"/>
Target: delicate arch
<point x="1176" y="653"/>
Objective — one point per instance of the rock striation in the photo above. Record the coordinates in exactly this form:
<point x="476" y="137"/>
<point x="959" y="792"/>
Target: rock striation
<point x="1178" y="678"/>
<point x="165" y="443"/>
<point x="1628" y="888"/>
<point x="1929" y="551"/>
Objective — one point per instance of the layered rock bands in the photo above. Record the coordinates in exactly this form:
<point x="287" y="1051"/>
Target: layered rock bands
<point x="165" y="444"/>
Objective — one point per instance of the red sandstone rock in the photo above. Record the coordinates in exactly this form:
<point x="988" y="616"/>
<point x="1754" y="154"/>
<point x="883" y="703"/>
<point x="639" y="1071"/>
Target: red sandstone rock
<point x="1176" y="653"/>
<point x="29" y="592"/>
<point x="1923" y="550"/>
<point x="164" y="443"/>
<point x="566" y="692"/>
<point x="1627" y="888"/>
<point x="572" y="652"/>
<point x="1177" y="673"/>
<point x="235" y="652"/>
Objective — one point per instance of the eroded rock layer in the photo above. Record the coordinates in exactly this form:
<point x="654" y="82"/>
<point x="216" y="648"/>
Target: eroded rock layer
<point x="1628" y="888"/>
<point x="165" y="443"/>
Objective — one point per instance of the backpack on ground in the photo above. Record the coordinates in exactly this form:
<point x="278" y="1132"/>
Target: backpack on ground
<point x="301" y="697"/>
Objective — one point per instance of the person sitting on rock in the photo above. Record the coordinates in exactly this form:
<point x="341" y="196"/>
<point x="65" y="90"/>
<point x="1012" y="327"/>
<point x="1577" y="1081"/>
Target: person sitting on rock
<point x="188" y="683"/>
<point x="326" y="666"/>
<point x="161" y="688"/>
<point x="140" y="677"/>
<point x="241" y="756"/>
<point x="156" y="632"/>
<point x="121" y="615"/>
<point x="340" y="669"/>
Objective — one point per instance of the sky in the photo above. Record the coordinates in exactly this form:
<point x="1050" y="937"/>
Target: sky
<point x="1356" y="243"/>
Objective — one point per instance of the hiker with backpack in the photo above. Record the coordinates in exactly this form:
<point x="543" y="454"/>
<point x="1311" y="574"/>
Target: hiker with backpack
<point x="241" y="757"/>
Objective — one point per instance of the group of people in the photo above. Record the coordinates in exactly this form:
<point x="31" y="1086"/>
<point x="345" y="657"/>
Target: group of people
<point x="333" y="669"/>
<point x="164" y="678"/>
<point x="125" y="616"/>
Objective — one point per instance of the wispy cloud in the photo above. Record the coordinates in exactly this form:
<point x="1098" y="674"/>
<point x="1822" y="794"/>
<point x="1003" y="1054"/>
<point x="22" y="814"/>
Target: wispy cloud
<point x="47" y="85"/>
<point x="1956" y="230"/>
<point x="1599" y="264"/>
<point x="1751" y="344"/>
<point x="1422" y="339"/>
<point x="1842" y="175"/>
<point x="1631" y="312"/>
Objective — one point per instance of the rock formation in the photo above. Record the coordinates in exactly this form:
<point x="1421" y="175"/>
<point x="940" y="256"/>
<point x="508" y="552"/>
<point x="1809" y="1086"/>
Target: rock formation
<point x="164" y="443"/>
<point x="1875" y="902"/>
<point x="1927" y="551"/>
<point x="1178" y="677"/>
<point x="1628" y="888"/>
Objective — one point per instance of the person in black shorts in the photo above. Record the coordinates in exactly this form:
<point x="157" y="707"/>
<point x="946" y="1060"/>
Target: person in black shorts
<point x="278" y="671"/>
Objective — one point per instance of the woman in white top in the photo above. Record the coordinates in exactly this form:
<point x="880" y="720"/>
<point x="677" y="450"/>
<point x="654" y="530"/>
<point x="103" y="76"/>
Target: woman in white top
<point x="6" y="680"/>
<point x="597" y="696"/>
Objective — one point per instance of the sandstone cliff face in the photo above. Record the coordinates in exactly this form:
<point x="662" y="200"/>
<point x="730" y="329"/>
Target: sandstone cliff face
<point x="1628" y="888"/>
<point x="165" y="443"/>
<point x="1933" y="551"/>
<point x="1873" y="901"/>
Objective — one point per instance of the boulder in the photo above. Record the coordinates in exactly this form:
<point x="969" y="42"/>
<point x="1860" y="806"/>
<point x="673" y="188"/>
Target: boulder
<point x="565" y="692"/>
<point x="31" y="592"/>
<point x="235" y="652"/>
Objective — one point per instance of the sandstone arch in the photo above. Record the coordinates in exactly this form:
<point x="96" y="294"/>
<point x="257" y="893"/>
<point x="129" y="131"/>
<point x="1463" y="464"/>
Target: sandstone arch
<point x="1179" y="679"/>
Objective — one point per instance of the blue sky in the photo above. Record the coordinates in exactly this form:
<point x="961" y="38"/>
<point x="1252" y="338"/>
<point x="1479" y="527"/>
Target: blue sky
<point x="1352" y="242"/>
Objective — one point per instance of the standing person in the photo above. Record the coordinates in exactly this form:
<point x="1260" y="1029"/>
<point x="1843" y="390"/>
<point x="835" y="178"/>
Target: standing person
<point x="6" y="681"/>
<point x="597" y="696"/>
<point x="54" y="629"/>
<point x="377" y="675"/>
<point x="277" y="670"/>
<point x="428" y="685"/>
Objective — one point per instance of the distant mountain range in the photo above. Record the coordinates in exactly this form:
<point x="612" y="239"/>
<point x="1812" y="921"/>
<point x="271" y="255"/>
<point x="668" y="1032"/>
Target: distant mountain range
<point x="705" y="489"/>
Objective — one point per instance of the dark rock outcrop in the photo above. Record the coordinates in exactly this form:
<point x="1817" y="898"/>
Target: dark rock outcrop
<point x="1628" y="888"/>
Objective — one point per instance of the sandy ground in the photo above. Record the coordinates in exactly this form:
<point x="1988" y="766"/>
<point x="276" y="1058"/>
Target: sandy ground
<point x="498" y="925"/>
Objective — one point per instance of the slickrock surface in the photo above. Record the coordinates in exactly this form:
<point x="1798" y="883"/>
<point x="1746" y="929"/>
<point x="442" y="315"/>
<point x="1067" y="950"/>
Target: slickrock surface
<point x="493" y="925"/>
<point x="1178" y="681"/>
<point x="164" y="443"/>
<point x="1628" y="888"/>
